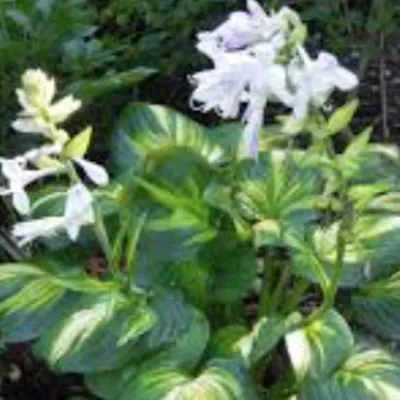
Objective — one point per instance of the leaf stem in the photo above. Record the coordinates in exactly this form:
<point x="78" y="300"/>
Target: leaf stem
<point x="277" y="294"/>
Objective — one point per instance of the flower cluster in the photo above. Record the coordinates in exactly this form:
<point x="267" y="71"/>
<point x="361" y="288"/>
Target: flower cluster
<point x="260" y="58"/>
<point x="57" y="154"/>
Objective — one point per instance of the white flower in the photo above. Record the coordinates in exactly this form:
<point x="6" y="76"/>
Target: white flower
<point x="243" y="29"/>
<point x="242" y="77"/>
<point x="28" y="231"/>
<point x="314" y="81"/>
<point x="95" y="172"/>
<point x="78" y="212"/>
<point x="18" y="178"/>
<point x="38" y="90"/>
<point x="39" y="115"/>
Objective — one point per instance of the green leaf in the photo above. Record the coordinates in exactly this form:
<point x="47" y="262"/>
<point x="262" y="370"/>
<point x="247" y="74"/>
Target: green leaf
<point x="90" y="90"/>
<point x="145" y="131"/>
<point x="359" y="144"/>
<point x="342" y="117"/>
<point x="377" y="307"/>
<point x="97" y="335"/>
<point x="222" y="380"/>
<point x="264" y="336"/>
<point x="79" y="144"/>
<point x="233" y="265"/>
<point x="277" y="190"/>
<point x="370" y="253"/>
<point x="368" y="375"/>
<point x="184" y="353"/>
<point x="223" y="342"/>
<point x="320" y="347"/>
<point x="173" y="318"/>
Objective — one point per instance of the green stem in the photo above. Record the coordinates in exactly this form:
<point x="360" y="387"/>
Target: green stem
<point x="341" y="241"/>
<point x="102" y="236"/>
<point x="277" y="294"/>
<point x="296" y="296"/>
<point x="265" y="300"/>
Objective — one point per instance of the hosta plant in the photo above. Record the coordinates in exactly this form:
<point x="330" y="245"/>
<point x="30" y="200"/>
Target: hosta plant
<point x="212" y="264"/>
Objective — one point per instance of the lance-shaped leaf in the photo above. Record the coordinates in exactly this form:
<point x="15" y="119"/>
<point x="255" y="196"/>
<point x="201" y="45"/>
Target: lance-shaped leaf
<point x="320" y="347"/>
<point x="279" y="194"/>
<point x="368" y="375"/>
<point x="342" y="117"/>
<point x="371" y="250"/>
<point x="90" y="90"/>
<point x="377" y="307"/>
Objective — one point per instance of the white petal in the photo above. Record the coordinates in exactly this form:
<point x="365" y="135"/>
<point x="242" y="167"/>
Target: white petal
<point x="31" y="125"/>
<point x="21" y="202"/>
<point x="301" y="104"/>
<point x="78" y="210"/>
<point x="94" y="171"/>
<point x="251" y="132"/>
<point x="278" y="87"/>
<point x="256" y="11"/>
<point x="28" y="231"/>
<point x="61" y="110"/>
<point x="344" y="79"/>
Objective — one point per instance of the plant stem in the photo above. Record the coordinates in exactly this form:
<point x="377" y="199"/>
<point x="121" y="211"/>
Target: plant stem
<point x="265" y="300"/>
<point x="341" y="241"/>
<point x="296" y="296"/>
<point x="383" y="89"/>
<point x="104" y="241"/>
<point x="283" y="280"/>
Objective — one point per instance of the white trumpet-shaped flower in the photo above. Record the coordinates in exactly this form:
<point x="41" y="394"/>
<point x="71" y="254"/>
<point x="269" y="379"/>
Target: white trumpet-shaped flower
<point x="257" y="59"/>
<point x="78" y="212"/>
<point x="241" y="77"/>
<point x="39" y="115"/>
<point x="95" y="172"/>
<point x="315" y="80"/>
<point x="18" y="178"/>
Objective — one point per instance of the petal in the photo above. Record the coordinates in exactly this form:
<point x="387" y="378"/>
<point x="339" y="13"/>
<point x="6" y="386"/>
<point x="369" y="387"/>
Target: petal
<point x="250" y="134"/>
<point x="26" y="232"/>
<point x="344" y="79"/>
<point x="21" y="202"/>
<point x="31" y="125"/>
<point x="95" y="172"/>
<point x="61" y="110"/>
<point x="78" y="210"/>
<point x="278" y="87"/>
<point x="301" y="104"/>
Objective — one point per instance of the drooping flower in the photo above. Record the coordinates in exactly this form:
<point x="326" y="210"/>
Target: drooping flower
<point x="39" y="115"/>
<point x="315" y="80"/>
<point x="95" y="172"/>
<point x="77" y="213"/>
<point x="14" y="170"/>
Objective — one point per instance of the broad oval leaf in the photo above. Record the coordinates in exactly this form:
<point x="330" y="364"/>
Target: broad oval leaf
<point x="98" y="334"/>
<point x="184" y="353"/>
<point x="320" y="347"/>
<point x="369" y="375"/>
<point x="222" y="380"/>
<point x="145" y="129"/>
<point x="377" y="307"/>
